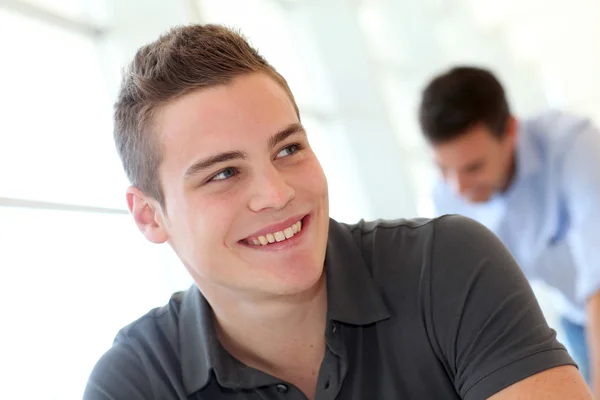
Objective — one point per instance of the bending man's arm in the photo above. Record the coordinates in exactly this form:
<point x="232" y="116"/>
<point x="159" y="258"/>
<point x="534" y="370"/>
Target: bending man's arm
<point x="580" y="174"/>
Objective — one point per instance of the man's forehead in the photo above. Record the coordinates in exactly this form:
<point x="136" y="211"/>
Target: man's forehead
<point x="181" y="154"/>
<point x="233" y="117"/>
<point x="233" y="109"/>
<point x="459" y="158"/>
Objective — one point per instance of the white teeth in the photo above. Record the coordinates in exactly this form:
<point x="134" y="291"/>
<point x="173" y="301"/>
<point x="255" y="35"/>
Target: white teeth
<point x="279" y="236"/>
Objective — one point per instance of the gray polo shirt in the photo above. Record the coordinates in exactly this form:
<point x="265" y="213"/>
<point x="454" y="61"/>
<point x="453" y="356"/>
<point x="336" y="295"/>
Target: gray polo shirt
<point x="417" y="309"/>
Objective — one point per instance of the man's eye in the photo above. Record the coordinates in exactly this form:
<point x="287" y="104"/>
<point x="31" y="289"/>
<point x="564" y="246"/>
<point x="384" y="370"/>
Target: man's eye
<point x="224" y="174"/>
<point x="288" y="151"/>
<point x="474" y="168"/>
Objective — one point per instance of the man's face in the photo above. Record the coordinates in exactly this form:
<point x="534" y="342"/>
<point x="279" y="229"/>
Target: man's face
<point x="476" y="164"/>
<point x="238" y="173"/>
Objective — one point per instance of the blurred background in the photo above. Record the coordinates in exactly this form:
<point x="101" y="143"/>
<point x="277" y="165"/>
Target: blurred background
<point x="73" y="267"/>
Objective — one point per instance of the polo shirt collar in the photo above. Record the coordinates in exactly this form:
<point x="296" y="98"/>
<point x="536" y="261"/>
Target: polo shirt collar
<point x="352" y="295"/>
<point x="352" y="298"/>
<point x="202" y="354"/>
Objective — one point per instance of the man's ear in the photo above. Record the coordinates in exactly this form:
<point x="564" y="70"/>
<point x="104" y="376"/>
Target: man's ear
<point x="147" y="215"/>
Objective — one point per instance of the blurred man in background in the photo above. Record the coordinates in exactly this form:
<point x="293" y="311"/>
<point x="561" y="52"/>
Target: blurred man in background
<point x="534" y="182"/>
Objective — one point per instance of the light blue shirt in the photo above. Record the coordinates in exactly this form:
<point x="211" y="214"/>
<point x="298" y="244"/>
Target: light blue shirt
<point x="549" y="218"/>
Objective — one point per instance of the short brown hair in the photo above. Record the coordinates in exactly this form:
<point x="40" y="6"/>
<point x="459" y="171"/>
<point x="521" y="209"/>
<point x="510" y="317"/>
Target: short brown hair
<point x="184" y="59"/>
<point x="460" y="98"/>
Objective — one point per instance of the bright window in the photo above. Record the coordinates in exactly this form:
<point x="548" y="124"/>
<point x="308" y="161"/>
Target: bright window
<point x="68" y="280"/>
<point x="56" y="141"/>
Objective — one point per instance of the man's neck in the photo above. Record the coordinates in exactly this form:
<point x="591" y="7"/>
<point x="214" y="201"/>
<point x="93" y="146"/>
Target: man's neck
<point x="275" y="334"/>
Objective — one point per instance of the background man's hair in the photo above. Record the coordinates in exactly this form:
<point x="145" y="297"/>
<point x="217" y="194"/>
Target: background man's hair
<point x="460" y="98"/>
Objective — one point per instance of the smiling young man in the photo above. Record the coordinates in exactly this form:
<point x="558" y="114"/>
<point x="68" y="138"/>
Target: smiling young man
<point x="287" y="303"/>
<point x="535" y="182"/>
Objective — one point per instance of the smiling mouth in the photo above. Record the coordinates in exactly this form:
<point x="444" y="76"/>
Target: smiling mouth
<point x="276" y="237"/>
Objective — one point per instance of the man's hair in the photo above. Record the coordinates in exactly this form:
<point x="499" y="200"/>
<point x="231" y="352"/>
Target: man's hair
<point x="185" y="59"/>
<point x="460" y="98"/>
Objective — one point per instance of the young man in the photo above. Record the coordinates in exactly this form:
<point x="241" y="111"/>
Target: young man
<point x="288" y="304"/>
<point x="534" y="182"/>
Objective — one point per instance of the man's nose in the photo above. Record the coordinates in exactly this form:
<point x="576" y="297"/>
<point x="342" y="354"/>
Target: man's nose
<point x="271" y="190"/>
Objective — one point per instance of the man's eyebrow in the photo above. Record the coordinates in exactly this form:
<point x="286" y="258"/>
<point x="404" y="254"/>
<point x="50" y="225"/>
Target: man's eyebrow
<point x="285" y="133"/>
<point x="474" y="164"/>
<point x="470" y="166"/>
<point x="205" y="163"/>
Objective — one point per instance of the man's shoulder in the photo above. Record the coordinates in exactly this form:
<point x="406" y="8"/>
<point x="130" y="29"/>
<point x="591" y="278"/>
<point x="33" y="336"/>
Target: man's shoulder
<point x="160" y="321"/>
<point x="364" y="227"/>
<point x="555" y="127"/>
<point x="382" y="233"/>
<point x="418" y="226"/>
<point x="145" y="349"/>
<point x="402" y="242"/>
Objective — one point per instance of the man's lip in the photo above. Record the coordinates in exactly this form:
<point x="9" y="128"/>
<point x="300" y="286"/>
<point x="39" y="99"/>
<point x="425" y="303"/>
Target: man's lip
<point x="276" y="227"/>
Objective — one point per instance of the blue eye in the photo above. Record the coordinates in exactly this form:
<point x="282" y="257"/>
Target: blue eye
<point x="224" y="174"/>
<point x="288" y="151"/>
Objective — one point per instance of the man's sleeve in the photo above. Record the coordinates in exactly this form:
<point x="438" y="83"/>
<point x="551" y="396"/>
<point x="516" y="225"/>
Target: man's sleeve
<point x="118" y="375"/>
<point x="580" y="175"/>
<point x="488" y="326"/>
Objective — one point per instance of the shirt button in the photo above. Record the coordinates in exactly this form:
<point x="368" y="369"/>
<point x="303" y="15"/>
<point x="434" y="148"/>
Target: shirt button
<point x="281" y="388"/>
<point x="333" y="328"/>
